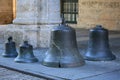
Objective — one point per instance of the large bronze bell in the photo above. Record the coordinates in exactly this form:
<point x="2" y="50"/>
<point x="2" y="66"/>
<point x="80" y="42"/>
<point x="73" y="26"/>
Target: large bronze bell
<point x="26" y="54"/>
<point x="63" y="51"/>
<point x="10" y="49"/>
<point x="98" y="46"/>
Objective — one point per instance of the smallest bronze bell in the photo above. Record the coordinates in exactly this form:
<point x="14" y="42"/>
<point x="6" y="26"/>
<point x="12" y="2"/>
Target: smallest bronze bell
<point x="10" y="48"/>
<point x="26" y="54"/>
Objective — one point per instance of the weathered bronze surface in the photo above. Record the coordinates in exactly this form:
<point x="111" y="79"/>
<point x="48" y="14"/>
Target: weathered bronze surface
<point x="63" y="51"/>
<point x="98" y="46"/>
<point x="26" y="54"/>
<point x="10" y="49"/>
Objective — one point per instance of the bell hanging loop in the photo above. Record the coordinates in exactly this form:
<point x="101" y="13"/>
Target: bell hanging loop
<point x="63" y="19"/>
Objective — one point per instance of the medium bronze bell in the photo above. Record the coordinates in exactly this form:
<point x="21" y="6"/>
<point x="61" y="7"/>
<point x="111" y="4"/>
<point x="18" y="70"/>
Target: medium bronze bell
<point x="98" y="45"/>
<point x="26" y="54"/>
<point x="10" y="48"/>
<point x="63" y="51"/>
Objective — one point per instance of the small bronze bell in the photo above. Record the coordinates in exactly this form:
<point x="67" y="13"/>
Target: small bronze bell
<point x="26" y="54"/>
<point x="10" y="48"/>
<point x="98" y="46"/>
<point x="63" y="51"/>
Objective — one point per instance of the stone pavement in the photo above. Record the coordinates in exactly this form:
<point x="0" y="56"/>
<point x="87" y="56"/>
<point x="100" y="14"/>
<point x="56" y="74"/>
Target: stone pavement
<point x="6" y="74"/>
<point x="99" y="70"/>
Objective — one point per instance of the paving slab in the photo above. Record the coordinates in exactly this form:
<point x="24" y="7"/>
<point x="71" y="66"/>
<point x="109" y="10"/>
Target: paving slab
<point x="88" y="70"/>
<point x="6" y="74"/>
<point x="108" y="76"/>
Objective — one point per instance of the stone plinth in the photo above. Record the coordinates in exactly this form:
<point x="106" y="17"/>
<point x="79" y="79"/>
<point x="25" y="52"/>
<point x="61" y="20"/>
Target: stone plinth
<point x="106" y="13"/>
<point x="21" y="33"/>
<point x="37" y="35"/>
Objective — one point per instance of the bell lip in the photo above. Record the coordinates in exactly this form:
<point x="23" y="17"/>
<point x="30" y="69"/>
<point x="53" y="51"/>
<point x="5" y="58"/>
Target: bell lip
<point x="9" y="55"/>
<point x="64" y="65"/>
<point x="20" y="60"/>
<point x="113" y="57"/>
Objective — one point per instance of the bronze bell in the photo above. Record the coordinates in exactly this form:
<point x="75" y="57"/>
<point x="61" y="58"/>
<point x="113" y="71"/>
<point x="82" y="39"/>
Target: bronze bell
<point x="98" y="45"/>
<point x="10" y="48"/>
<point x="63" y="51"/>
<point x="26" y="54"/>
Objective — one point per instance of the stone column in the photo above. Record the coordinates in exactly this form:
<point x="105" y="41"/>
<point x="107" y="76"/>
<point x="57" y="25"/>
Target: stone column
<point x="38" y="12"/>
<point x="34" y="21"/>
<point x="27" y="12"/>
<point x="50" y="12"/>
<point x="50" y="17"/>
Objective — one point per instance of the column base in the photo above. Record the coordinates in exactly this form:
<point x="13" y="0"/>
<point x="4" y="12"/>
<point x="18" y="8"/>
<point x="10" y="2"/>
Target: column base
<point x="37" y="35"/>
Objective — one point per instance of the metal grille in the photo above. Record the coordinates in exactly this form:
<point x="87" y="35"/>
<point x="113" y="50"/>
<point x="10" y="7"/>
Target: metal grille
<point x="69" y="9"/>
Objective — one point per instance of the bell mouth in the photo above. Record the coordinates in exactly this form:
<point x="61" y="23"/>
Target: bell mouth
<point x="24" y="60"/>
<point x="62" y="65"/>
<point x="9" y="55"/>
<point x="107" y="58"/>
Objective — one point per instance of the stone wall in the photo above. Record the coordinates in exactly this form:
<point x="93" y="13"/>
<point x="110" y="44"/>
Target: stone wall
<point x="104" y="12"/>
<point x="6" y="11"/>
